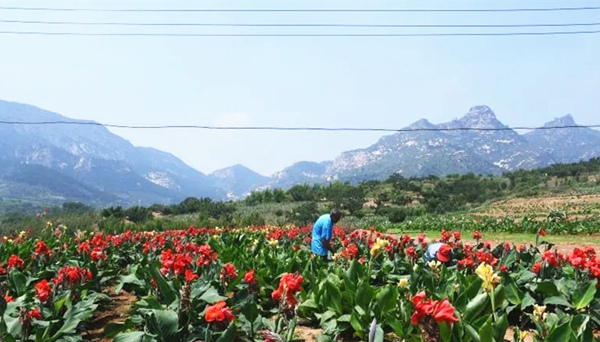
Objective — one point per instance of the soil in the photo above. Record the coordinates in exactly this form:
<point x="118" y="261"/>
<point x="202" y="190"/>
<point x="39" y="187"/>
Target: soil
<point x="115" y="310"/>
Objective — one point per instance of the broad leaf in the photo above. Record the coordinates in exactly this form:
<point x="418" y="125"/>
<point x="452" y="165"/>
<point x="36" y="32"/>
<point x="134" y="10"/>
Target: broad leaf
<point x="164" y="323"/>
<point x="136" y="336"/>
<point x="212" y="296"/>
<point x="166" y="289"/>
<point x="230" y="333"/>
<point x="584" y="294"/>
<point x="486" y="332"/>
<point x="476" y="306"/>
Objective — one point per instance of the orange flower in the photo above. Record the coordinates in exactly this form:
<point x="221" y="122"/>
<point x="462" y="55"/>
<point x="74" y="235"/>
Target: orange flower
<point x="219" y="313"/>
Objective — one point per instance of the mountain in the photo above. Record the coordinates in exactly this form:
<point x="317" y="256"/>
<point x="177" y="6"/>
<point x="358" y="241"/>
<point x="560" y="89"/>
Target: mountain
<point x="566" y="145"/>
<point x="299" y="173"/>
<point x="431" y="149"/>
<point x="236" y="180"/>
<point x="58" y="162"/>
<point x="86" y="162"/>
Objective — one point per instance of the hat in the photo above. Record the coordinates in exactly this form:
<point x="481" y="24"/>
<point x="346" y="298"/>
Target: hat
<point x="444" y="253"/>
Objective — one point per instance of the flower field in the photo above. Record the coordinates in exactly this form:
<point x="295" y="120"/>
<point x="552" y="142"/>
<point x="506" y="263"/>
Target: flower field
<point x="262" y="283"/>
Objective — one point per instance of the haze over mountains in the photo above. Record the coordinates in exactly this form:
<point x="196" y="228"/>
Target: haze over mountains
<point x="88" y="163"/>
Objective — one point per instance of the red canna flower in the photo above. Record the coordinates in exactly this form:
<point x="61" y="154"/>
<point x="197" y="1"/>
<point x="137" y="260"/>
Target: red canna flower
<point x="477" y="235"/>
<point x="441" y="311"/>
<point x="456" y="235"/>
<point x="550" y="258"/>
<point x="43" y="290"/>
<point x="412" y="252"/>
<point x="536" y="268"/>
<point x="8" y="299"/>
<point x="219" y="313"/>
<point x="35" y="313"/>
<point x="444" y="312"/>
<point x="228" y="273"/>
<point x="249" y="277"/>
<point x="190" y="276"/>
<point x="542" y="232"/>
<point x="15" y="262"/>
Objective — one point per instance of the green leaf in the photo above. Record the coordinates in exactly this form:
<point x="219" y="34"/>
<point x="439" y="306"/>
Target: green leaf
<point x="378" y="334"/>
<point x="212" y="296"/>
<point x="68" y="327"/>
<point x="250" y="311"/>
<point x="352" y="272"/>
<point x="513" y="294"/>
<point x="3" y="305"/>
<point x="385" y="300"/>
<point x="560" y="332"/>
<point x="486" y="332"/>
<point x="229" y="334"/>
<point x="557" y="300"/>
<point x="473" y="333"/>
<point x="584" y="294"/>
<point x="164" y="323"/>
<point x="135" y="336"/>
<point x="19" y="282"/>
<point x="364" y="295"/>
<point x="500" y="327"/>
<point x="527" y="302"/>
<point x="128" y="279"/>
<point x="476" y="306"/>
<point x="167" y="290"/>
<point x="332" y="298"/>
<point x="547" y="288"/>
<point x="396" y="325"/>
<point x="344" y="318"/>
<point x="445" y="332"/>
<point x="113" y="329"/>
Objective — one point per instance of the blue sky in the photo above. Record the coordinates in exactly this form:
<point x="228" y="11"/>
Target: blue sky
<point x="296" y="81"/>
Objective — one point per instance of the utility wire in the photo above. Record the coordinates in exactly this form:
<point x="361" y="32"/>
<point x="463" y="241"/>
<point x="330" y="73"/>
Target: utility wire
<point x="549" y="33"/>
<point x="272" y="128"/>
<point x="298" y="25"/>
<point x="551" y="9"/>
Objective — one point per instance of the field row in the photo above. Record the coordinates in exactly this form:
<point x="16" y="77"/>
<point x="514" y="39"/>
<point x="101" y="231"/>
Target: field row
<point x="261" y="282"/>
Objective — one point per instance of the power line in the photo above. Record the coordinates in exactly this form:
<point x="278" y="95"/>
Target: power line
<point x="549" y="33"/>
<point x="297" y="25"/>
<point x="551" y="9"/>
<point x="273" y="128"/>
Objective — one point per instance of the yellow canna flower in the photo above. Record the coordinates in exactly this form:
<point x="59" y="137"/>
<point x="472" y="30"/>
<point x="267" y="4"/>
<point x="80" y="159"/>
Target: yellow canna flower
<point x="273" y="242"/>
<point x="22" y="234"/>
<point x="486" y="273"/>
<point x="539" y="312"/>
<point x="523" y="335"/>
<point x="402" y="283"/>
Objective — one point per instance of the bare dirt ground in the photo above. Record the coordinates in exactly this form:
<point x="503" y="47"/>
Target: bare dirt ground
<point x="113" y="311"/>
<point x="577" y="206"/>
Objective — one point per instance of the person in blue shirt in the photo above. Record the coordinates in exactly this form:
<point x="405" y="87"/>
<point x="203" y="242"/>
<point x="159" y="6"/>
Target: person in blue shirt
<point x="439" y="251"/>
<point x="322" y="232"/>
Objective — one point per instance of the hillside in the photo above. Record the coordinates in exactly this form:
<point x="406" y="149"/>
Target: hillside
<point x="59" y="162"/>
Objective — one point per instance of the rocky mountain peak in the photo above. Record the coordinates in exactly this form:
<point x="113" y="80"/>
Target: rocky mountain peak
<point x="563" y="121"/>
<point x="420" y="124"/>
<point x="480" y="117"/>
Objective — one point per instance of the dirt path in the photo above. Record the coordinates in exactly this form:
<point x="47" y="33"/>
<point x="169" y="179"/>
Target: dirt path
<point x="113" y="311"/>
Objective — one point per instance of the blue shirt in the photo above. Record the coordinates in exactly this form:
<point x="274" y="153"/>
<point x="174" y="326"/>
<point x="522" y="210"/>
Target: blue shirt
<point x="431" y="253"/>
<point x="323" y="228"/>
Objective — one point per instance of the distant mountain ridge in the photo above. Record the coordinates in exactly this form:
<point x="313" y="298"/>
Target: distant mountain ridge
<point x="431" y="152"/>
<point x="56" y="163"/>
<point x="102" y="167"/>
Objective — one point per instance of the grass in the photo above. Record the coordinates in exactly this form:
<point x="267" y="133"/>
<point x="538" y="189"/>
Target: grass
<point x="517" y="238"/>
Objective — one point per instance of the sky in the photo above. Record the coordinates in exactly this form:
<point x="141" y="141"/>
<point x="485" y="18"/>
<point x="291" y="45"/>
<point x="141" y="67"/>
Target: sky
<point x="386" y="82"/>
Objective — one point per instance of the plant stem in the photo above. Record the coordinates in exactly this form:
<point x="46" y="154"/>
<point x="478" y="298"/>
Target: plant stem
<point x="493" y="298"/>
